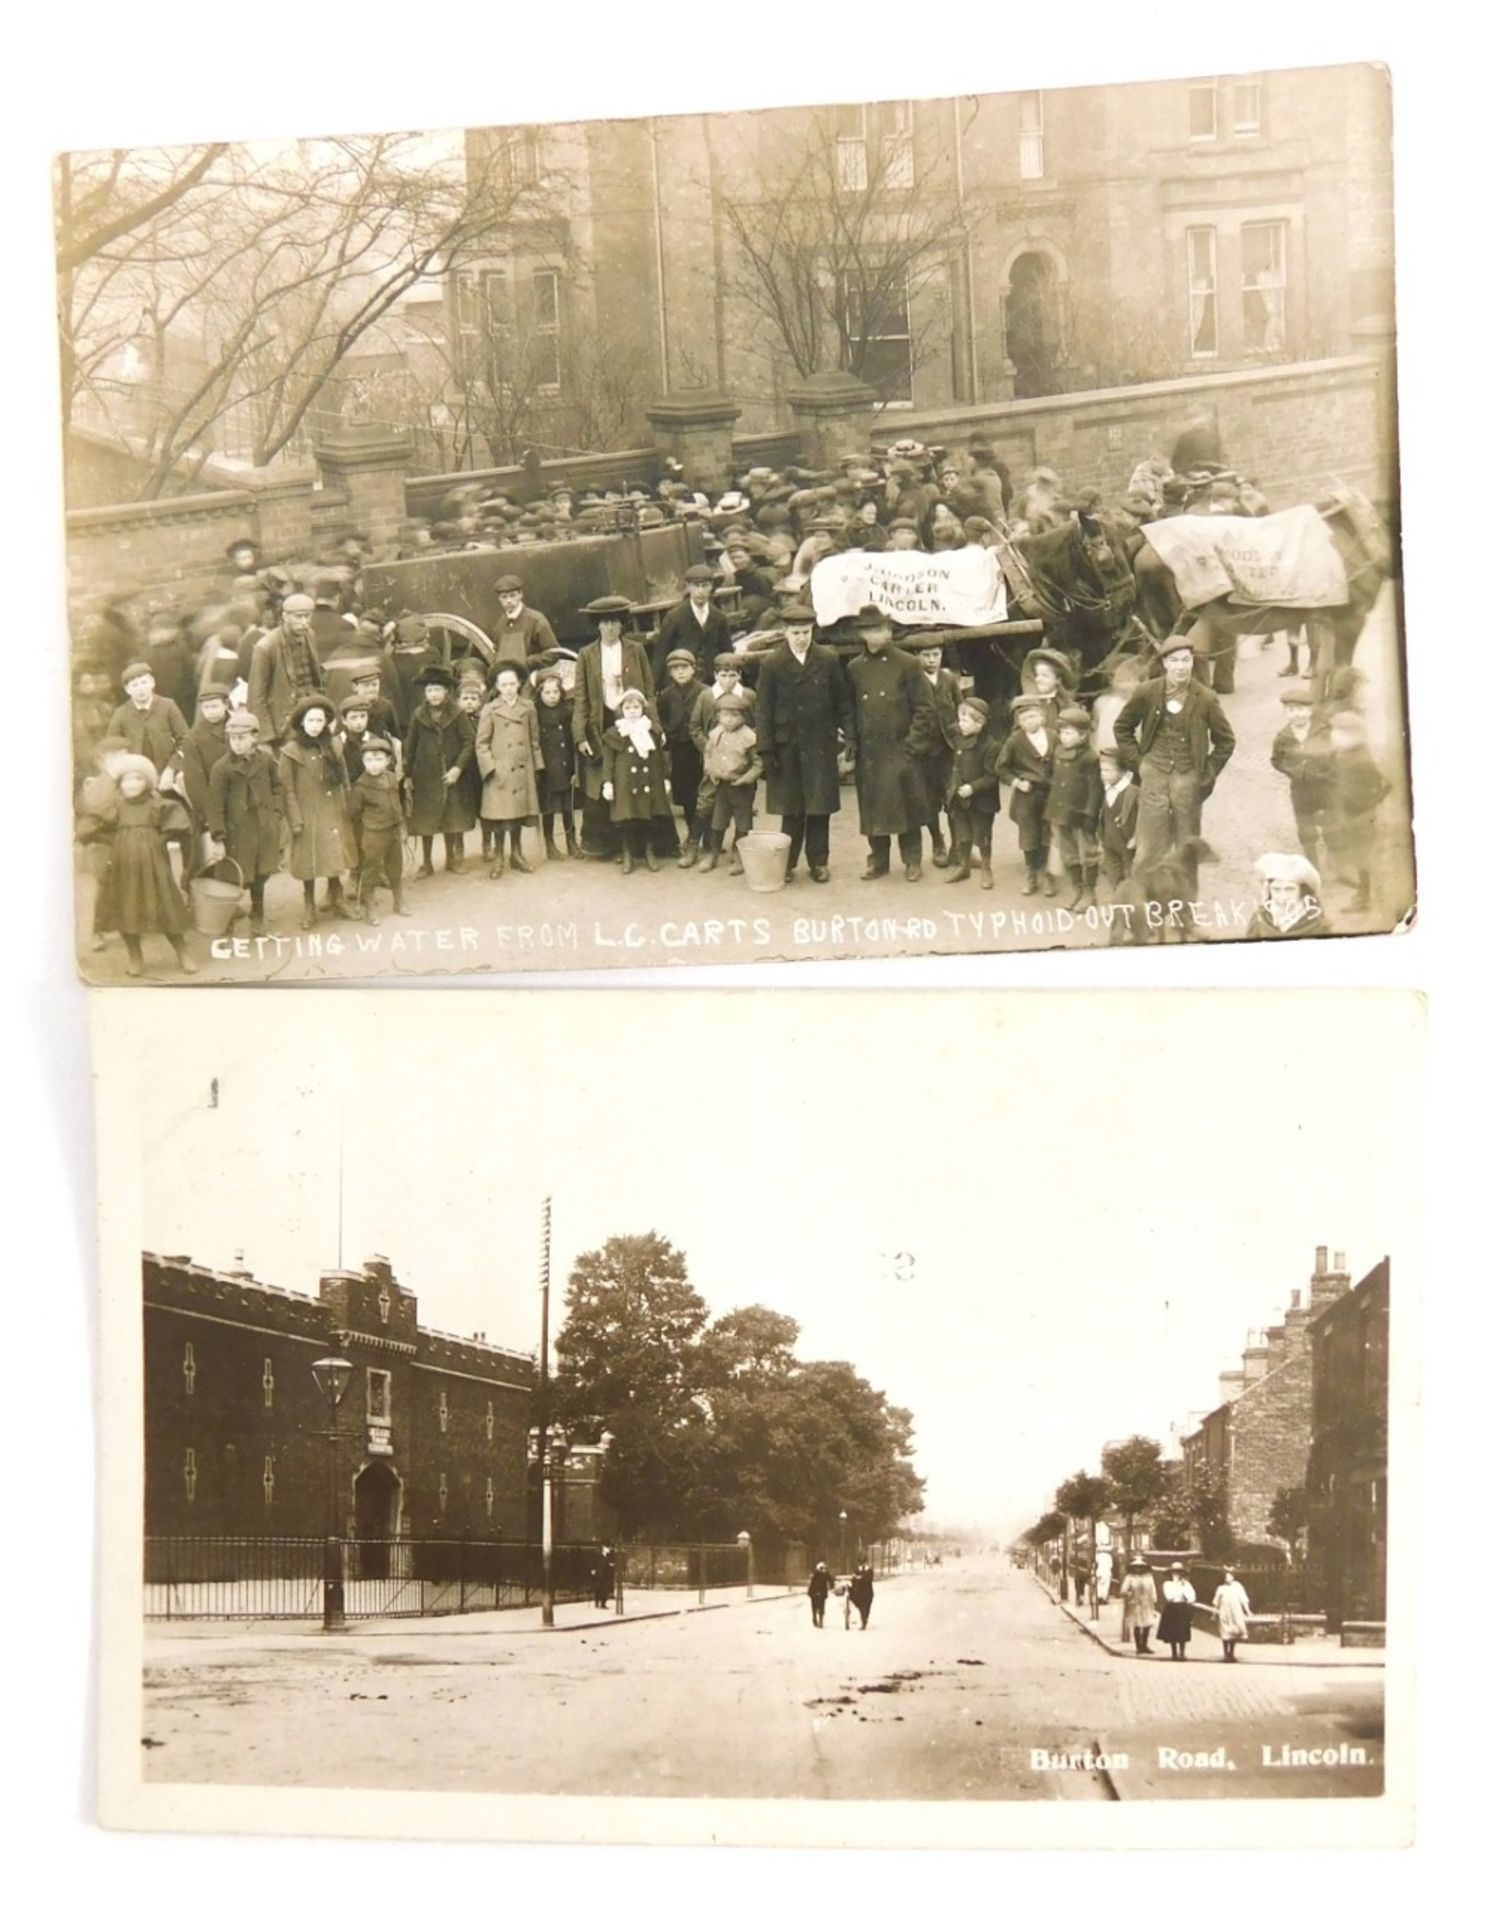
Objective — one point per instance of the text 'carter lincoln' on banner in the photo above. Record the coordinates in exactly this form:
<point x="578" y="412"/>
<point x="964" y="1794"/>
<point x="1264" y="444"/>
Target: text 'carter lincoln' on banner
<point x="962" y="588"/>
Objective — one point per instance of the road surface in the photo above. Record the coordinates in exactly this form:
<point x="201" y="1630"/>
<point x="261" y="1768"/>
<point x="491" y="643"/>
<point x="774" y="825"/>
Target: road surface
<point x="969" y="1684"/>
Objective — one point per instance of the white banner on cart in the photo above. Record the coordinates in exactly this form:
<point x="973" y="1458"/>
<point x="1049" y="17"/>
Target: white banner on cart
<point x="963" y="588"/>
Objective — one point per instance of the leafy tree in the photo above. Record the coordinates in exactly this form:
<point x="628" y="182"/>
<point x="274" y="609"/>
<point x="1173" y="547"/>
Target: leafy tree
<point x="1288" y="1518"/>
<point x="1049" y="1527"/>
<point x="1084" y="1497"/>
<point x="628" y="1363"/>
<point x="1193" y="1509"/>
<point x="1137" y="1475"/>
<point x="752" y="1343"/>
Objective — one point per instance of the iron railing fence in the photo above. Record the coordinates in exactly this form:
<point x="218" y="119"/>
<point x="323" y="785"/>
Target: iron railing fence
<point x="275" y="1577"/>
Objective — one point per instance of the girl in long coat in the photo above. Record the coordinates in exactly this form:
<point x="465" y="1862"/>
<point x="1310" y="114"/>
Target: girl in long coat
<point x="1025" y="764"/>
<point x="1232" y="1605"/>
<point x="245" y="809"/>
<point x="554" y="710"/>
<point x="635" y="778"/>
<point x="1138" y="1600"/>
<point x="510" y="760"/>
<point x="314" y="780"/>
<point x="138" y="893"/>
<point x="1177" y="1597"/>
<point x="439" y="745"/>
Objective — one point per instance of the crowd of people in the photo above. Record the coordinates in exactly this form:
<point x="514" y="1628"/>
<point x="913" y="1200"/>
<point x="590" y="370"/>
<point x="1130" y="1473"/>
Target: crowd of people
<point x="286" y="723"/>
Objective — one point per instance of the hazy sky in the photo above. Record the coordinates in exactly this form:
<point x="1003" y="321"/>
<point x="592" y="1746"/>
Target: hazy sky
<point x="1040" y="1221"/>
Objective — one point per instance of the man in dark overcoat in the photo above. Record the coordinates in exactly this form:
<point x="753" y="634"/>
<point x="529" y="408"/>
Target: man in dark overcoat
<point x="894" y="727"/>
<point x="604" y="669"/>
<point x="803" y="706"/>
<point x="521" y="636"/>
<point x="283" y="668"/>
<point x="697" y="624"/>
<point x="1175" y="734"/>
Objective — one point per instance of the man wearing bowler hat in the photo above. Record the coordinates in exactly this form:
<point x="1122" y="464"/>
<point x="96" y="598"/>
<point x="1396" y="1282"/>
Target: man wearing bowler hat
<point x="1175" y="734"/>
<point x="803" y="706"/>
<point x="522" y="634"/>
<point x="696" y="623"/>
<point x="894" y="726"/>
<point x="283" y="668"/>
<point x="606" y="667"/>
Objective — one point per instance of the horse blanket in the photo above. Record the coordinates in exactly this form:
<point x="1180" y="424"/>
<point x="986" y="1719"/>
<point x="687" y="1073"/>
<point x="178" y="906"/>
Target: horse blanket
<point x="1286" y="559"/>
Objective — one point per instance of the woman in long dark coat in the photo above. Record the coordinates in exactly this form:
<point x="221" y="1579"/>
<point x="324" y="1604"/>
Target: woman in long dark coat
<point x="862" y="1592"/>
<point x="440" y="743"/>
<point x="894" y="724"/>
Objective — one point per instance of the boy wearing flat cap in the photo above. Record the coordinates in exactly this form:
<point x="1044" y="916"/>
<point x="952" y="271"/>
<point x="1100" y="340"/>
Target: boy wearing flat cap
<point x="151" y="724"/>
<point x="1025" y="764"/>
<point x="733" y="769"/>
<point x="696" y="625"/>
<point x="972" y="792"/>
<point x="1074" y="802"/>
<point x="680" y="692"/>
<point x="245" y="809"/>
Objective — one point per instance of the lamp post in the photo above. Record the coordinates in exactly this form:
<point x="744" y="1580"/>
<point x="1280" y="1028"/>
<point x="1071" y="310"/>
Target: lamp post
<point x="744" y="1541"/>
<point x="844" y="1516"/>
<point x="546" y="1494"/>
<point x="333" y="1375"/>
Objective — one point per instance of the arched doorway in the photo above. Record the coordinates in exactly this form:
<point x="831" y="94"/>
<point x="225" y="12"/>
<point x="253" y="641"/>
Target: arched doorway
<point x="376" y="1494"/>
<point x="1033" y="326"/>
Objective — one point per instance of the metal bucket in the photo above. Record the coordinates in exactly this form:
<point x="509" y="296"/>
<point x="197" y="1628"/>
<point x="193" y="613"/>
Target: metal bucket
<point x="216" y="903"/>
<point x="764" y="859"/>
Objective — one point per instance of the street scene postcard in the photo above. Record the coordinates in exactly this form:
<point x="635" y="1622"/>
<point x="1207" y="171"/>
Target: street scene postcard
<point x="707" y="538"/>
<point x="1003" y="1436"/>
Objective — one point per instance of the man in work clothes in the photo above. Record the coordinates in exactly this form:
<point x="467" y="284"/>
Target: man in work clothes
<point x="894" y="726"/>
<point x="1175" y="734"/>
<point x="803" y="705"/>
<point x="283" y="668"/>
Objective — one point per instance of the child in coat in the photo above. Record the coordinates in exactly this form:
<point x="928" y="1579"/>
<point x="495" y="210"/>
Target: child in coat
<point x="1302" y="751"/>
<point x="510" y="760"/>
<point x="194" y="760"/>
<point x="1357" y="789"/>
<point x="733" y="768"/>
<point x="972" y="792"/>
<point x="97" y="812"/>
<point x="440" y="743"/>
<point x="471" y="698"/>
<point x="635" y="779"/>
<point x="138" y="892"/>
<point x="245" y="810"/>
<point x="1074" y="802"/>
<point x="376" y="812"/>
<point x="680" y="694"/>
<point x="1025" y="764"/>
<point x="1118" y="818"/>
<point x="555" y="711"/>
<point x="702" y="719"/>
<point x="944" y="686"/>
<point x="314" y="778"/>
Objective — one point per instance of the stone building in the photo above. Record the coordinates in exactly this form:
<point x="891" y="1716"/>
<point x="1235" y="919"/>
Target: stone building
<point x="1256" y="1441"/>
<point x="1347" y="1472"/>
<point x="432" y="1432"/>
<point x="1081" y="238"/>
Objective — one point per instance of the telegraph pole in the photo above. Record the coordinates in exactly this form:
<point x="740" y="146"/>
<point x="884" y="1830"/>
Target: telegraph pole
<point x="546" y="1507"/>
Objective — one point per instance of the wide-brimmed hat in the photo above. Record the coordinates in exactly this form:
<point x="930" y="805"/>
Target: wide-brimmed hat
<point x="435" y="675"/>
<point x="1061" y="665"/>
<point x="610" y="606"/>
<point x="870" y="618"/>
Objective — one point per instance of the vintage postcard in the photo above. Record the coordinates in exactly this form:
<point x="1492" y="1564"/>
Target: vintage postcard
<point x="948" y="1420"/>
<point x="706" y="538"/>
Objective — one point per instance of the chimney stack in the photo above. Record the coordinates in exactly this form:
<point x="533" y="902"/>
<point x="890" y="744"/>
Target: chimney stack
<point x="1275" y="1347"/>
<point x="1297" y="1320"/>
<point x="1256" y="1360"/>
<point x="378" y="1267"/>
<point x="1230" y="1386"/>
<point x="1321" y="1260"/>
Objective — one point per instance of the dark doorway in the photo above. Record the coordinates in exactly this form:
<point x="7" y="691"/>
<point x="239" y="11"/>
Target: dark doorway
<point x="375" y="1512"/>
<point x="1033" y="335"/>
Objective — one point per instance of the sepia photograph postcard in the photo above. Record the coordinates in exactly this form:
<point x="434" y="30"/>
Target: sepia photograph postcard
<point x="705" y="537"/>
<point x="951" y="1420"/>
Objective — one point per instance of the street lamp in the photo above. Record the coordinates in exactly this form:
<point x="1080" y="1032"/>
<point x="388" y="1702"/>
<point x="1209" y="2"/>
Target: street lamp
<point x="333" y="1375"/>
<point x="844" y="1516"/>
<point x="744" y="1541"/>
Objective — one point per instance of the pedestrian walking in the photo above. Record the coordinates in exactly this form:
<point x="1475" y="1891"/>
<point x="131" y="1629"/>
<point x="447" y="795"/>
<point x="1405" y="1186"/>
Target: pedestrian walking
<point x="1231" y="1603"/>
<point x="862" y="1592"/>
<point x="1177" y="1599"/>
<point x="819" y="1584"/>
<point x="604" y="1578"/>
<point x="1138" y="1603"/>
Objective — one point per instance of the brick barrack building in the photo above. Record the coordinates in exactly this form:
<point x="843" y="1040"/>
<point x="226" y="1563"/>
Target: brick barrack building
<point x="433" y="1430"/>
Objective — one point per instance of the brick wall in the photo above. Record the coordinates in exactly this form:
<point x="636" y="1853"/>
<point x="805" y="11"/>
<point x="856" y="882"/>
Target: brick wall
<point x="1271" y="1426"/>
<point x="1296" y="429"/>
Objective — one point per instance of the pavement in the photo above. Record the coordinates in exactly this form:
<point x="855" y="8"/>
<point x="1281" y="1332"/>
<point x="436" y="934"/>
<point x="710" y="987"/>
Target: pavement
<point x="587" y="914"/>
<point x="1309" y="1651"/>
<point x="969" y="1685"/>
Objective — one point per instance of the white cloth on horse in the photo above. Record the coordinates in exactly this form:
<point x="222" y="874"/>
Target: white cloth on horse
<point x="1285" y="559"/>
